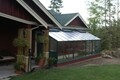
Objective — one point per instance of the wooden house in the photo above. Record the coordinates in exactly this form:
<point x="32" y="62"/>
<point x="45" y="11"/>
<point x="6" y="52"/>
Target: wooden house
<point x="22" y="22"/>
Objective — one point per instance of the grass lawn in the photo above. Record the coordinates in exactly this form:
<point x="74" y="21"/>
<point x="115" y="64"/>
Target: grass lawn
<point x="103" y="72"/>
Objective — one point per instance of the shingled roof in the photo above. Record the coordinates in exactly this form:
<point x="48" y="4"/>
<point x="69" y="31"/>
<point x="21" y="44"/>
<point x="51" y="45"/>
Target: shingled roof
<point x="64" y="19"/>
<point x="33" y="6"/>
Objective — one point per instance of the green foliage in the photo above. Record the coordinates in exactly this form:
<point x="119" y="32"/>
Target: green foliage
<point x="51" y="61"/>
<point x="42" y="39"/>
<point x="104" y="22"/>
<point x="19" y="66"/>
<point x="20" y="58"/>
<point x="40" y="56"/>
<point x="56" y="5"/>
<point x="20" y="42"/>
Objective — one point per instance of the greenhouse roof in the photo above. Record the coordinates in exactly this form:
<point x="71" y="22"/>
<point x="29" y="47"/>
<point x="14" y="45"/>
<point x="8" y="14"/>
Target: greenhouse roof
<point x="72" y="36"/>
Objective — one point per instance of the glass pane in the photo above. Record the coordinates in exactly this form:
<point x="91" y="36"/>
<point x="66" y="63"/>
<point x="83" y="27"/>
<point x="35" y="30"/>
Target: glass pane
<point x="72" y="36"/>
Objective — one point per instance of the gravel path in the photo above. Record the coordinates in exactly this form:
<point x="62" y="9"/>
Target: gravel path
<point x="95" y="61"/>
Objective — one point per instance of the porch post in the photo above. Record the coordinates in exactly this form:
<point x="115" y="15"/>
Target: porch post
<point x="20" y="49"/>
<point x="46" y="45"/>
<point x="28" y="36"/>
<point x="23" y="43"/>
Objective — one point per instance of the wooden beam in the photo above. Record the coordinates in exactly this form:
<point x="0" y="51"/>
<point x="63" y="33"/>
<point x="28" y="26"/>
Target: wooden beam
<point x="17" y="19"/>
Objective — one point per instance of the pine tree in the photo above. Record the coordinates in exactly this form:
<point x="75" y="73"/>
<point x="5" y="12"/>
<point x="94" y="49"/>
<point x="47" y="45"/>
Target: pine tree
<point x="104" y="22"/>
<point x="56" y="5"/>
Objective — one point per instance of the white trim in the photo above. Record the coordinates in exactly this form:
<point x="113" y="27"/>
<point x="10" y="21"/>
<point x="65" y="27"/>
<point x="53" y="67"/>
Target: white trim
<point x="71" y="20"/>
<point x="83" y="20"/>
<point x="33" y="13"/>
<point x="47" y="13"/>
<point x="77" y="15"/>
<point x="17" y="19"/>
<point x="35" y="52"/>
<point x="77" y="28"/>
<point x="41" y="25"/>
<point x="35" y="27"/>
<point x="51" y="25"/>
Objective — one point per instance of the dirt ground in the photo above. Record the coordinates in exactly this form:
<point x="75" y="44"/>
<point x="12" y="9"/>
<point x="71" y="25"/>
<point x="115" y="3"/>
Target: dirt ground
<point x="95" y="61"/>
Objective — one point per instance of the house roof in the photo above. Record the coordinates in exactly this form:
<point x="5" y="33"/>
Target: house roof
<point x="62" y="18"/>
<point x="65" y="19"/>
<point x="35" y="15"/>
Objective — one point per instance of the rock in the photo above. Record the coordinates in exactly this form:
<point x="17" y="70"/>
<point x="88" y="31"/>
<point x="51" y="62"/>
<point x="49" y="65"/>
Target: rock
<point x="116" y="53"/>
<point x="107" y="56"/>
<point x="111" y="53"/>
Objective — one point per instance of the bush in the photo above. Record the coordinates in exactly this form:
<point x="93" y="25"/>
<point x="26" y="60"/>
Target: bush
<point x="51" y="61"/>
<point x="19" y="66"/>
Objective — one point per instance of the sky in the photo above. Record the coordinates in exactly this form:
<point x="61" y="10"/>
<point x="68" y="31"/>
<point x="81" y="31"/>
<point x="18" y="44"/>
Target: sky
<point x="71" y="6"/>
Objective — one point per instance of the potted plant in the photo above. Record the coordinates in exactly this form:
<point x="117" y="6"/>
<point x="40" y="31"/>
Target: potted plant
<point x="19" y="68"/>
<point x="20" y="42"/>
<point x="40" y="60"/>
<point x="51" y="61"/>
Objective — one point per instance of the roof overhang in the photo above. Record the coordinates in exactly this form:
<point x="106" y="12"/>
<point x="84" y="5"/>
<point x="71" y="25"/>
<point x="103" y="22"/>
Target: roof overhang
<point x="32" y="12"/>
<point x="37" y="2"/>
<point x="75" y="28"/>
<point x="17" y="19"/>
<point x="72" y="36"/>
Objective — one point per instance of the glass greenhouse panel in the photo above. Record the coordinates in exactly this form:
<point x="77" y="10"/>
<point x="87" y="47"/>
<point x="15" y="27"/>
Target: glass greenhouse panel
<point x="72" y="36"/>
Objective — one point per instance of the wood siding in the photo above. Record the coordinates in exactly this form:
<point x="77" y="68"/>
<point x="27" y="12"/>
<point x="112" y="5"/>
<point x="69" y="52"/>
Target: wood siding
<point x="11" y="7"/>
<point x="39" y="11"/>
<point x="77" y="22"/>
<point x="8" y="32"/>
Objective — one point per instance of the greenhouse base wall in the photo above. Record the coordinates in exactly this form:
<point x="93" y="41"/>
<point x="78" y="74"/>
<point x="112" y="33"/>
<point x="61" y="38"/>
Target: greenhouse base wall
<point x="79" y="60"/>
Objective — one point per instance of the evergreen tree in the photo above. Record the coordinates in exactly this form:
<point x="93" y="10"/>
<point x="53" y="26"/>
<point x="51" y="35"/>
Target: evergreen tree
<point x="104" y="22"/>
<point x="56" y="5"/>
